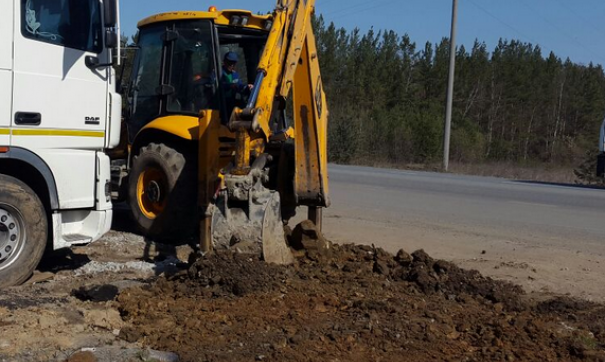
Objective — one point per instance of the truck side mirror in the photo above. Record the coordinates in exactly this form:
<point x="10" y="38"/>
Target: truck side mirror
<point x="111" y="39"/>
<point x="110" y="11"/>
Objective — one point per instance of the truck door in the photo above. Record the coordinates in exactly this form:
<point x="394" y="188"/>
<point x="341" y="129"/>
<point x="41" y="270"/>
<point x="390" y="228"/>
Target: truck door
<point x="6" y="64"/>
<point x="59" y="104"/>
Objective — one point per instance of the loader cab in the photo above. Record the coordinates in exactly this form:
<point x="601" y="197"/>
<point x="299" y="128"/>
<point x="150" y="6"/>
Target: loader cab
<point x="177" y="69"/>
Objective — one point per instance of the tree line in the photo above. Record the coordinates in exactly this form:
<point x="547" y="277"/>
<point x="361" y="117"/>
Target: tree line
<point x="513" y="103"/>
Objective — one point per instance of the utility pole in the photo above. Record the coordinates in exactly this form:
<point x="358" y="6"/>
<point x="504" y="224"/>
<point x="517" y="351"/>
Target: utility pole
<point x="450" y="90"/>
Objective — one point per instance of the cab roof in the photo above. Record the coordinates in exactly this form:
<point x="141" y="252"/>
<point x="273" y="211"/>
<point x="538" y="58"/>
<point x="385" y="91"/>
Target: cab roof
<point x="223" y="17"/>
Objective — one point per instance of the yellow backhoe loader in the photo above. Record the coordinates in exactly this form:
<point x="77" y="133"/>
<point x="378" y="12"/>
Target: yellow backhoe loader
<point x="208" y="149"/>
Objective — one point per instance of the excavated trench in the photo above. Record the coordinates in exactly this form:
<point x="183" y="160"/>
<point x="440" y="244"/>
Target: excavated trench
<point x="353" y="303"/>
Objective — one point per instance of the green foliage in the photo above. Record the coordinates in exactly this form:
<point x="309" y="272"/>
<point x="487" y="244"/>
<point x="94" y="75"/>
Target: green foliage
<point x="387" y="100"/>
<point x="427" y="134"/>
<point x="467" y="143"/>
<point x="586" y="171"/>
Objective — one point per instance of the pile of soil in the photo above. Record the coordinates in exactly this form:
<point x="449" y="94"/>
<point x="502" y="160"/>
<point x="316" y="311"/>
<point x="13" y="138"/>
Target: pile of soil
<point x="353" y="303"/>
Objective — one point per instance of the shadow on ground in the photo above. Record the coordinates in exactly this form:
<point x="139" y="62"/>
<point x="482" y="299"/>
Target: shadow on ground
<point x="122" y="219"/>
<point x="60" y="260"/>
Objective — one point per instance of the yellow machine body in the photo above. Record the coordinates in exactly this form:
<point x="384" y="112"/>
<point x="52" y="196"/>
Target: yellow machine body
<point x="287" y="68"/>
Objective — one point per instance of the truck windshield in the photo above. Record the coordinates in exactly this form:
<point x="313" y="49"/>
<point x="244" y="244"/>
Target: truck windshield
<point x="71" y="23"/>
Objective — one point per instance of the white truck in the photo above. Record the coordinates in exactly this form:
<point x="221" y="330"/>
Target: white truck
<point x="601" y="157"/>
<point x="59" y="111"/>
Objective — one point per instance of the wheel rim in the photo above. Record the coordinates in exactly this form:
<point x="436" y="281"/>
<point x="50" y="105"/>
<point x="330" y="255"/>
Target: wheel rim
<point x="151" y="192"/>
<point x="12" y="235"/>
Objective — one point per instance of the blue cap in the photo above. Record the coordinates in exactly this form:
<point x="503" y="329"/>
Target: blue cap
<point x="232" y="57"/>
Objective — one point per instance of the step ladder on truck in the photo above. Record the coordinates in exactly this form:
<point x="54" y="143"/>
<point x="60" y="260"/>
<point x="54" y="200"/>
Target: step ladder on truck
<point x="59" y="112"/>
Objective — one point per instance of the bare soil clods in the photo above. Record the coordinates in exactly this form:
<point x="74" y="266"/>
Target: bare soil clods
<point x="117" y="301"/>
<point x="353" y="303"/>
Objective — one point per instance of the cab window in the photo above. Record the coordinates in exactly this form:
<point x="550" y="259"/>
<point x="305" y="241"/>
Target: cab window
<point x="248" y="45"/>
<point x="70" y="23"/>
<point x="191" y="70"/>
<point x="143" y="97"/>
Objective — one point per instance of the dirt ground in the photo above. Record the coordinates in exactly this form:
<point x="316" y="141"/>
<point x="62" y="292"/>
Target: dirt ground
<point x="126" y="299"/>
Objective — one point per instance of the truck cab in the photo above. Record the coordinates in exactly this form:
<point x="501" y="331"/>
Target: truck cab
<point x="59" y="111"/>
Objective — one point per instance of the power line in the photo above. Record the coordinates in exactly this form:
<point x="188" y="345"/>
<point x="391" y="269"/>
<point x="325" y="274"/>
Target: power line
<point x="377" y="4"/>
<point x="367" y="9"/>
<point x="502" y="21"/>
<point x="596" y="3"/>
<point x="325" y="2"/>
<point x="582" y="18"/>
<point x="321" y="4"/>
<point x="556" y="27"/>
<point x="354" y="6"/>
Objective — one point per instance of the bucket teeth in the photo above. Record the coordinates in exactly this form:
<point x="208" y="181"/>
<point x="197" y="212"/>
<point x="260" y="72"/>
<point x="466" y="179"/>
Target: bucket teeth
<point x="275" y="249"/>
<point x="253" y="226"/>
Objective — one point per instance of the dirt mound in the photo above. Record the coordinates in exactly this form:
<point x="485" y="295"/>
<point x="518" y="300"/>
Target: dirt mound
<point x="352" y="303"/>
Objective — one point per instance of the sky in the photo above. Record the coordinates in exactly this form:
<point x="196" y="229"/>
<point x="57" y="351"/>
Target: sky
<point x="569" y="28"/>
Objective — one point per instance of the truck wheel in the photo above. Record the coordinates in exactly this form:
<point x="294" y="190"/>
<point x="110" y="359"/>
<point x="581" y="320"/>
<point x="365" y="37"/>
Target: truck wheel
<point x="23" y="231"/>
<point x="162" y="192"/>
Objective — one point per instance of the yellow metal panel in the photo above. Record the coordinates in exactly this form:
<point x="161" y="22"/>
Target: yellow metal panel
<point x="311" y="119"/>
<point x="271" y="63"/>
<point x="242" y="153"/>
<point x="53" y="132"/>
<point x="219" y="17"/>
<point x="304" y="12"/>
<point x="186" y="127"/>
<point x="209" y="125"/>
<point x="177" y="15"/>
<point x="321" y="112"/>
<point x="5" y="131"/>
<point x="257" y="146"/>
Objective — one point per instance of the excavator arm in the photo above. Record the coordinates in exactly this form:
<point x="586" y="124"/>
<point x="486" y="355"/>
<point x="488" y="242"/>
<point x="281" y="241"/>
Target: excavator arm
<point x="246" y="214"/>
<point x="289" y="64"/>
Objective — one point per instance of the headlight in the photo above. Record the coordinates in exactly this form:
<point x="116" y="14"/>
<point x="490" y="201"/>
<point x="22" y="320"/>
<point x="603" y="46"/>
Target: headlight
<point x="237" y="20"/>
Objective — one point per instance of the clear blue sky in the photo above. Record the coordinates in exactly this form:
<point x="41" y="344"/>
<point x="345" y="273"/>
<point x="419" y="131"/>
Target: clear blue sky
<point x="570" y="28"/>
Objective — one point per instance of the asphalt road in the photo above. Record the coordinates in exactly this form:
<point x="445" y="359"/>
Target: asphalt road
<point x="547" y="237"/>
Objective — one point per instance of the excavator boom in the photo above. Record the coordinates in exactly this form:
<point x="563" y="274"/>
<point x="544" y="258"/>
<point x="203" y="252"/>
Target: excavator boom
<point x="290" y="64"/>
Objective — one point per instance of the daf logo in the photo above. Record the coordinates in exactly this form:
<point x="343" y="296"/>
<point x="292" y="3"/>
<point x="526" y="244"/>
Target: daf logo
<point x="92" y="120"/>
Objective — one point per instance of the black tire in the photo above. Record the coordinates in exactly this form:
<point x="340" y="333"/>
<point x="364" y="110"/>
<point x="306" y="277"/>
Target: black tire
<point x="162" y="192"/>
<point x="23" y="231"/>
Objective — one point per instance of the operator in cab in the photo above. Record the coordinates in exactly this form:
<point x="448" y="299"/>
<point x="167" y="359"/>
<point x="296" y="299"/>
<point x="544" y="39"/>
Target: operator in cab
<point x="233" y="87"/>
